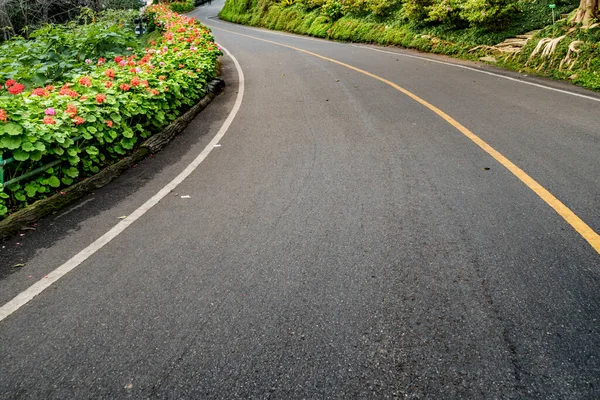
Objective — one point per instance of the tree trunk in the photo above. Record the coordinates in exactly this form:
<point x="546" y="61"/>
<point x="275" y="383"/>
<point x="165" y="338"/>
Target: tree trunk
<point x="587" y="12"/>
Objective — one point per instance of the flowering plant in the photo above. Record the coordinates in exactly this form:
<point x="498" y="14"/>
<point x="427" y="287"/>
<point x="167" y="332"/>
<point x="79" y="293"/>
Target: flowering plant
<point x="97" y="118"/>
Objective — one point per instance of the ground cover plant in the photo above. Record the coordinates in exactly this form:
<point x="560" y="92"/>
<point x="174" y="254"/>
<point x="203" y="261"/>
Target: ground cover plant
<point x="460" y="28"/>
<point x="73" y="124"/>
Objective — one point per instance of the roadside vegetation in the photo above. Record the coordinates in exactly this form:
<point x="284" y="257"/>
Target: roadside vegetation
<point x="76" y="98"/>
<point x="469" y="29"/>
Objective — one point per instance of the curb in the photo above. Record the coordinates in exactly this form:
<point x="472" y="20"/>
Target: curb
<point x="44" y="207"/>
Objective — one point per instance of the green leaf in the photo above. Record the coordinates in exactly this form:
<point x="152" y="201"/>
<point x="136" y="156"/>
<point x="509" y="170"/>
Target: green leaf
<point x="92" y="150"/>
<point x="92" y="129"/>
<point x="66" y="180"/>
<point x="35" y="155"/>
<point x="13" y="129"/>
<point x="31" y="189"/>
<point x="27" y="146"/>
<point x="20" y="155"/>
<point x="128" y="133"/>
<point x="128" y="143"/>
<point x="20" y="196"/>
<point x="11" y="142"/>
<point x="39" y="146"/>
<point x="71" y="172"/>
<point x="115" y="117"/>
<point x="90" y="118"/>
<point x="53" y="181"/>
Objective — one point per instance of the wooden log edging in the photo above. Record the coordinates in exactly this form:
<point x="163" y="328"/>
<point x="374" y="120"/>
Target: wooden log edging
<point x="41" y="208"/>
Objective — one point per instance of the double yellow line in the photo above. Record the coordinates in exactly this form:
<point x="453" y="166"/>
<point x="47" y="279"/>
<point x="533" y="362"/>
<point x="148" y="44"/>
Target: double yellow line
<point x="565" y="212"/>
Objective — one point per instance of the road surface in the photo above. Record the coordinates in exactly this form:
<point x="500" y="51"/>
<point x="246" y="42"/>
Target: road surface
<point x="343" y="240"/>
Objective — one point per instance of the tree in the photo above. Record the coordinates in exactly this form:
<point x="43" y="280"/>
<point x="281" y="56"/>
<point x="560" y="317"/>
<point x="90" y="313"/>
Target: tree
<point x="587" y="12"/>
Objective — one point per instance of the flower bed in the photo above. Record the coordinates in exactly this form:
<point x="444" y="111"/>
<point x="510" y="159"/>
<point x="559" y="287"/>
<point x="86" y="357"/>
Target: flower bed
<point x="76" y="128"/>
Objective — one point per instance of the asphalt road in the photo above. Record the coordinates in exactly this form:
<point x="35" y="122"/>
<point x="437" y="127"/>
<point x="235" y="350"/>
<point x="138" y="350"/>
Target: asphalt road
<point x="344" y="241"/>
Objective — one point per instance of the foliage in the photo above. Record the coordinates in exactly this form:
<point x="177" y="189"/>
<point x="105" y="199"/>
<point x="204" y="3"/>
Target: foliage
<point x="20" y="17"/>
<point x="90" y="122"/>
<point x="59" y="52"/>
<point x="182" y="6"/>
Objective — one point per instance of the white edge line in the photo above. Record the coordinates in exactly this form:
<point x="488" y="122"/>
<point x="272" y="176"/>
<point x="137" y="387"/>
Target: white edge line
<point x="296" y="36"/>
<point x="481" y="72"/>
<point x="24" y="297"/>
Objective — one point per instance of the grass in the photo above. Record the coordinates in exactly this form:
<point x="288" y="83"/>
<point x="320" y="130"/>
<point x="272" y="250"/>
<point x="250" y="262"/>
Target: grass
<point x="441" y="39"/>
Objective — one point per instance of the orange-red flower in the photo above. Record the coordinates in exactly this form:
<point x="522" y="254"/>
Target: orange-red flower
<point x="110" y="74"/>
<point x="40" y="92"/>
<point x="135" y="81"/>
<point x="65" y="91"/>
<point x="109" y="123"/>
<point x="85" y="81"/>
<point x="124" y="87"/>
<point x="49" y="88"/>
<point x="16" y="88"/>
<point x="100" y="98"/>
<point x="108" y="84"/>
<point x="49" y="121"/>
<point x="71" y="111"/>
<point x="3" y="115"/>
<point x="162" y="77"/>
<point x="78" y="120"/>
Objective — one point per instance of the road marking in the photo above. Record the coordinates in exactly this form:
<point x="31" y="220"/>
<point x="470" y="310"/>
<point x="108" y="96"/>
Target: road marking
<point x="295" y="36"/>
<point x="565" y="212"/>
<point x="583" y="96"/>
<point x="24" y="297"/>
<point x="83" y="203"/>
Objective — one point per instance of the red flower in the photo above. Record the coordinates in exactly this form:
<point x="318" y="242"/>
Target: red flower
<point x="100" y="98"/>
<point x="71" y="111"/>
<point x="135" y="81"/>
<point x="78" y="120"/>
<point x="39" y="92"/>
<point x="131" y="63"/>
<point x="118" y="59"/>
<point x="10" y="83"/>
<point x="50" y="88"/>
<point x="109" y="123"/>
<point x="49" y="121"/>
<point x="65" y="91"/>
<point x="83" y="98"/>
<point x="101" y="61"/>
<point x="125" y="87"/>
<point x="3" y="115"/>
<point x="110" y="74"/>
<point x="108" y="84"/>
<point x="16" y="88"/>
<point x="85" y="81"/>
<point x="154" y="92"/>
<point x="144" y="83"/>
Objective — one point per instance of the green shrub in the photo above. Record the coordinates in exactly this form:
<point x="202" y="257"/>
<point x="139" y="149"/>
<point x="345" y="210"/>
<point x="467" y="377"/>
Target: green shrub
<point x="85" y="124"/>
<point x="59" y="52"/>
<point x="182" y="6"/>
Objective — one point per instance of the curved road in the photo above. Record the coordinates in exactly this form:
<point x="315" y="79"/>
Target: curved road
<point x="343" y="241"/>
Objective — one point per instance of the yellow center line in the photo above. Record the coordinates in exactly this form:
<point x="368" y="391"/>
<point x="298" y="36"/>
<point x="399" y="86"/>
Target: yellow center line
<point x="565" y="212"/>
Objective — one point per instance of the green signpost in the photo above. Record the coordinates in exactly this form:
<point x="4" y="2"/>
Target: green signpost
<point x="552" y="7"/>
